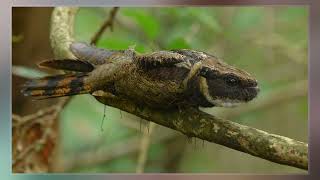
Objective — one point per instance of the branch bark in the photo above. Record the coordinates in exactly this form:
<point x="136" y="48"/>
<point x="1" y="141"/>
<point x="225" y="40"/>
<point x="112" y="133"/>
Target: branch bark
<point x="193" y="122"/>
<point x="61" y="31"/>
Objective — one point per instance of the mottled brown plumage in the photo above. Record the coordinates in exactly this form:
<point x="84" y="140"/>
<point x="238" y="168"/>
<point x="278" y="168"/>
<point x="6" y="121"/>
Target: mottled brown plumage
<point x="162" y="79"/>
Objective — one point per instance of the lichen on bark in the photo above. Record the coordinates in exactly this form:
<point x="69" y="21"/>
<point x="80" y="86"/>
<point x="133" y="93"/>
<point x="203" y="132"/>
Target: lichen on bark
<point x="61" y="31"/>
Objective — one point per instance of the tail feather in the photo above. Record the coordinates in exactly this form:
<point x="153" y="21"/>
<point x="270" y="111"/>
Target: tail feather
<point x="56" y="86"/>
<point x="68" y="64"/>
<point x="50" y="82"/>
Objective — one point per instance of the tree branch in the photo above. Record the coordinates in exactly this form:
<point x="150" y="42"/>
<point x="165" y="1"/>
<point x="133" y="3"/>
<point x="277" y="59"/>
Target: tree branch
<point x="195" y="123"/>
<point x="105" y="25"/>
<point x="61" y="31"/>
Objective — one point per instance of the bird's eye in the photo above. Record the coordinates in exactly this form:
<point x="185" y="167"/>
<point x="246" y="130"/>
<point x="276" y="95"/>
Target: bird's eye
<point x="231" y="81"/>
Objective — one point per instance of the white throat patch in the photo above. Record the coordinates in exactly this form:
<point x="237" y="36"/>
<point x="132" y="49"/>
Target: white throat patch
<point x="204" y="89"/>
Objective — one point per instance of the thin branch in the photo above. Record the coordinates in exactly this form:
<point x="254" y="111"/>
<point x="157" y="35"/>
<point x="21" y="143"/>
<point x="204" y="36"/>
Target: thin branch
<point x="23" y="124"/>
<point x="21" y="120"/>
<point x="32" y="147"/>
<point x="105" y="25"/>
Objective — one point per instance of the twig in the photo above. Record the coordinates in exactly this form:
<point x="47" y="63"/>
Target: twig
<point x="144" y="146"/>
<point x="23" y="124"/>
<point x="105" y="25"/>
<point x="32" y="147"/>
<point x="21" y="120"/>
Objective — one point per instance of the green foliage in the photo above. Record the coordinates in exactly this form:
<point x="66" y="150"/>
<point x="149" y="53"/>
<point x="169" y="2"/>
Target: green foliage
<point x="205" y="17"/>
<point x="246" y="18"/>
<point x="120" y="43"/>
<point x="87" y="22"/>
<point x="144" y="20"/>
<point x="178" y="43"/>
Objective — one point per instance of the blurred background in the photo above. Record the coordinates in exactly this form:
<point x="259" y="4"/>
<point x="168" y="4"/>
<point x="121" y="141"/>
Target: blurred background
<point x="269" y="42"/>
